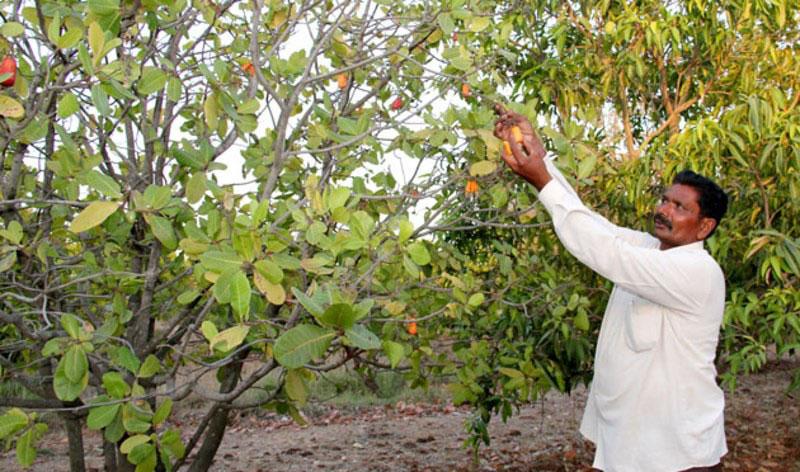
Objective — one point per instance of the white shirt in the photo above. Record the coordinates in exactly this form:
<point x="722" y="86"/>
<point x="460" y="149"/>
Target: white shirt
<point x="654" y="404"/>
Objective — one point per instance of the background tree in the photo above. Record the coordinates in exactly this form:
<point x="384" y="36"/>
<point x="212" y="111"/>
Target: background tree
<point x="627" y="94"/>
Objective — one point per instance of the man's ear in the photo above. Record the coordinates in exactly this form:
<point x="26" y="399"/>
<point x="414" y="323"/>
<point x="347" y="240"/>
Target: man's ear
<point x="707" y="225"/>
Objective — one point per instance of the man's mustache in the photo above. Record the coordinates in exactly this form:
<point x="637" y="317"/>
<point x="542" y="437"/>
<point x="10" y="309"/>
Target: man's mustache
<point x="662" y="220"/>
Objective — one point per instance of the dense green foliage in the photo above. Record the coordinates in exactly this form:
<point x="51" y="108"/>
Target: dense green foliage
<point x="133" y="265"/>
<point x="627" y="95"/>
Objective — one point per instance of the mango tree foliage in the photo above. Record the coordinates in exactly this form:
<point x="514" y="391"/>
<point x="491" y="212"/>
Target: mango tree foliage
<point x="626" y="95"/>
<point x="133" y="270"/>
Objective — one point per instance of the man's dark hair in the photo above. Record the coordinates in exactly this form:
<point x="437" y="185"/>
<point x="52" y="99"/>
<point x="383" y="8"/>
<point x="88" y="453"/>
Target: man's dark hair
<point x="713" y="200"/>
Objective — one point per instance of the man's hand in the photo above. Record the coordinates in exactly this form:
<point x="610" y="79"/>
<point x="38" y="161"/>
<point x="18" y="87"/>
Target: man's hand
<point x="527" y="157"/>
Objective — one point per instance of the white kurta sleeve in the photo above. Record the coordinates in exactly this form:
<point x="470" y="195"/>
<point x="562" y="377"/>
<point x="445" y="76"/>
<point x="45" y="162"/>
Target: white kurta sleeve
<point x="636" y="238"/>
<point x="670" y="278"/>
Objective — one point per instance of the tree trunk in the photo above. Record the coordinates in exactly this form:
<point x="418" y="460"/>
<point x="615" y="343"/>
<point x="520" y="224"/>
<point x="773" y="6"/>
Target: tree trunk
<point x="110" y="456"/>
<point x="72" y="424"/>
<point x="218" y="423"/>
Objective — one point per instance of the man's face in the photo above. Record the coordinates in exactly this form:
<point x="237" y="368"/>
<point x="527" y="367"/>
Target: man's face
<point x="677" y="219"/>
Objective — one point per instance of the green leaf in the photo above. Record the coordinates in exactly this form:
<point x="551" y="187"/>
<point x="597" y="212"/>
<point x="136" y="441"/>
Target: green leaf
<point x="188" y="297"/>
<point x="270" y="270"/>
<point x="133" y="424"/>
<point x="157" y="197"/>
<point x="419" y="254"/>
<point x="295" y="386"/>
<point x="13" y="232"/>
<point x="150" y="367"/>
<point x="221" y="261"/>
<point x="209" y="330"/>
<point x="8" y="261"/>
<point x="338" y="197"/>
<point x="476" y="299"/>
<point x="114" y="432"/>
<point x="286" y="261"/>
<point x="240" y="294"/>
<point x="124" y="357"/>
<point x="482" y="168"/>
<point x="461" y="63"/>
<point x="250" y="106"/>
<point x="53" y="346"/>
<point x="406" y="229"/>
<point x="361" y="337"/>
<point x="230" y="338"/>
<point x="26" y="453"/>
<point x="499" y="196"/>
<point x="103" y="184"/>
<point x="394" y="352"/>
<point x="188" y="158"/>
<point x="338" y="315"/>
<point x="11" y="422"/>
<point x="127" y="446"/>
<point x="76" y="364"/>
<point x="479" y="23"/>
<point x="211" y="111"/>
<point x="361" y="224"/>
<point x="145" y="457"/>
<point x="152" y="80"/>
<point x="196" y="187"/>
<point x="102" y="416"/>
<point x="222" y="286"/>
<point x="115" y="385"/>
<point x="162" y="412"/>
<point x="171" y="443"/>
<point x="53" y="29"/>
<point x="85" y="60"/>
<point x="348" y="126"/>
<point x="11" y="29"/>
<point x="94" y="214"/>
<point x="313" y="307"/>
<point x="315" y="233"/>
<point x="446" y="23"/>
<point x="11" y="108"/>
<point x="67" y="105"/>
<point x="410" y="267"/>
<point x="71" y="325"/>
<point x="174" y="89"/>
<point x="65" y="389"/>
<point x="162" y="230"/>
<point x="100" y="100"/>
<point x="96" y="42"/>
<point x="362" y="308"/>
<point x="301" y="344"/>
<point x="587" y="165"/>
<point x="581" y="320"/>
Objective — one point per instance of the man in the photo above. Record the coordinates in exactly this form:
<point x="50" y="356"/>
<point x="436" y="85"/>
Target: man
<point x="654" y="404"/>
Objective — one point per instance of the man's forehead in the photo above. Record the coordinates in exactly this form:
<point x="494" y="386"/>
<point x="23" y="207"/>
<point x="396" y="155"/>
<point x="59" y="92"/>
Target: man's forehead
<point x="682" y="193"/>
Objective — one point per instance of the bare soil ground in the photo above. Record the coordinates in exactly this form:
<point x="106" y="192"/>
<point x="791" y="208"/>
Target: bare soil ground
<point x="762" y="425"/>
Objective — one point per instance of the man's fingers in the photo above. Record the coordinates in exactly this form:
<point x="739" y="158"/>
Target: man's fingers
<point x="520" y="155"/>
<point x="510" y="160"/>
<point x="499" y="129"/>
<point x="500" y="110"/>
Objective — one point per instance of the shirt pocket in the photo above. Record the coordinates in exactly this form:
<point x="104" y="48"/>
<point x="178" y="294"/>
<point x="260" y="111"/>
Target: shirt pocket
<point x="644" y="322"/>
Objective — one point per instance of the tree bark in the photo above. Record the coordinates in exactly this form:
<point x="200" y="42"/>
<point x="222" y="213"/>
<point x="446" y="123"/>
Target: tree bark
<point x="75" y="437"/>
<point x="110" y="456"/>
<point x="219" y="420"/>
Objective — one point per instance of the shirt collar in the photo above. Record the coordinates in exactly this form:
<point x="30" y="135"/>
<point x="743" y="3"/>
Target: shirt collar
<point x="695" y="246"/>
